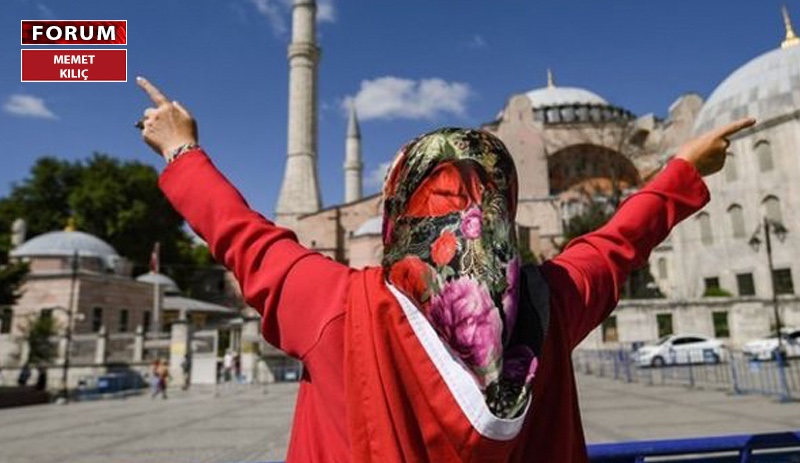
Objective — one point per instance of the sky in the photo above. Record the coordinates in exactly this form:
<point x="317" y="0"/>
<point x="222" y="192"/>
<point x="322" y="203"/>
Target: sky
<point x="411" y="66"/>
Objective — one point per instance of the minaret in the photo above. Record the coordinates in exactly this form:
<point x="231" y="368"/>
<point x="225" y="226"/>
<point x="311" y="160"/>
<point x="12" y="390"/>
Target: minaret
<point x="300" y="190"/>
<point x="551" y="83"/>
<point x="353" y="166"/>
<point x="791" y="38"/>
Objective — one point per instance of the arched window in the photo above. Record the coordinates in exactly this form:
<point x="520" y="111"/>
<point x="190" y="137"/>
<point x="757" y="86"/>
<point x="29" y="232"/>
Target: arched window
<point x="706" y="236"/>
<point x="764" y="154"/>
<point x="737" y="221"/>
<point x="731" y="174"/>
<point x="772" y="209"/>
<point x="568" y="113"/>
<point x="663" y="272"/>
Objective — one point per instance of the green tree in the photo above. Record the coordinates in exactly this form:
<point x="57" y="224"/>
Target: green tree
<point x="121" y="203"/>
<point x="640" y="283"/>
<point x="42" y="200"/>
<point x="594" y="216"/>
<point x="118" y="201"/>
<point x="39" y="335"/>
<point x="11" y="279"/>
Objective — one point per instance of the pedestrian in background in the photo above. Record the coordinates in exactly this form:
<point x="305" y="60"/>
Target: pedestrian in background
<point x="227" y="366"/>
<point x="24" y="375"/>
<point x="162" y="373"/>
<point x="154" y="368"/>
<point x="186" y="369"/>
<point x="41" y="378"/>
<point x="237" y="367"/>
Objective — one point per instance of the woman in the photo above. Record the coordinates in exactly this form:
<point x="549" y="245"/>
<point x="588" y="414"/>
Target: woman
<point x="450" y="351"/>
<point x="163" y="378"/>
<point x="155" y="379"/>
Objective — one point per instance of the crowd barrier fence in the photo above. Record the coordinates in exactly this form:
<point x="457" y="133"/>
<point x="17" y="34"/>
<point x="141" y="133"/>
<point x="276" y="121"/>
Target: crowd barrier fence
<point x="749" y="448"/>
<point x="783" y="447"/>
<point x="734" y="372"/>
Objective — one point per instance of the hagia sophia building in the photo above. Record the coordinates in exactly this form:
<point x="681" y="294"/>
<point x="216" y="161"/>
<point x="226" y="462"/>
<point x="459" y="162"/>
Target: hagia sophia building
<point x="570" y="146"/>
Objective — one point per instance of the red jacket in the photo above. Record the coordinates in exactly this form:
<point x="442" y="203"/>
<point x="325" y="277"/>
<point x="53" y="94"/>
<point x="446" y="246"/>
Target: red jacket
<point x="327" y="314"/>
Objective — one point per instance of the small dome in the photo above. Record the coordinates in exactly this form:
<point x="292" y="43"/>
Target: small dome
<point x="373" y="226"/>
<point x="554" y="104"/>
<point x="561" y="96"/>
<point x="64" y="244"/>
<point x="765" y="88"/>
<point x="167" y="284"/>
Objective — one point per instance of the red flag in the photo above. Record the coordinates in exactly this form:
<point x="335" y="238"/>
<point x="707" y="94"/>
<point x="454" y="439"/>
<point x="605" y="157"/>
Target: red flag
<point x="155" y="258"/>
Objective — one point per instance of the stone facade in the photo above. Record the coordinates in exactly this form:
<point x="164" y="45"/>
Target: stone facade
<point x="739" y="320"/>
<point x="571" y="146"/>
<point x="109" y="293"/>
<point x="761" y="180"/>
<point x="330" y="231"/>
<point x="565" y="154"/>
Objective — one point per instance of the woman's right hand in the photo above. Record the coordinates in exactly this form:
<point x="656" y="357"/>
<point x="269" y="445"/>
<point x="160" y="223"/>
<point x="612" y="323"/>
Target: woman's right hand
<point x="168" y="125"/>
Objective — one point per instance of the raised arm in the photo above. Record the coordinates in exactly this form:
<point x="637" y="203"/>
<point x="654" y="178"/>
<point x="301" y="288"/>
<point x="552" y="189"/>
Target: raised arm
<point x="295" y="290"/>
<point x="586" y="279"/>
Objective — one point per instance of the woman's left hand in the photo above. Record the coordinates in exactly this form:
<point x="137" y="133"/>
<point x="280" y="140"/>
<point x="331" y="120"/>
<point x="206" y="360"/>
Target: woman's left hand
<point x="708" y="152"/>
<point x="168" y="125"/>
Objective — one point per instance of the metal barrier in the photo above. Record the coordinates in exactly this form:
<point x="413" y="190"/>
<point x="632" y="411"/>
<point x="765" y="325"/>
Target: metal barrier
<point x="735" y="373"/>
<point x="113" y="384"/>
<point x="758" y="448"/>
<point x="781" y="447"/>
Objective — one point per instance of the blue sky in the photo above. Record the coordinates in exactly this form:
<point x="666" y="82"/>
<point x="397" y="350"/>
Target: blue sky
<point x="413" y="65"/>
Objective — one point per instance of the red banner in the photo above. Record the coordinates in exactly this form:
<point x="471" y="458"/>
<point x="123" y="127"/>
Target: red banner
<point x="74" y="65"/>
<point x="74" y="32"/>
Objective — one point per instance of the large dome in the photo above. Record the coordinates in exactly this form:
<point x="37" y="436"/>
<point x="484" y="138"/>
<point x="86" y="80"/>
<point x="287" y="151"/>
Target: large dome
<point x="765" y="88"/>
<point x="65" y="243"/>
<point x="562" y="96"/>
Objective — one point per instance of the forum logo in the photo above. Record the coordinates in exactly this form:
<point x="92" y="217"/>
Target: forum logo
<point x="74" y="65"/>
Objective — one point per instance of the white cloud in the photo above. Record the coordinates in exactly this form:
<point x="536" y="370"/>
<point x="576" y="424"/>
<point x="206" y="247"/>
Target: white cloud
<point x="28" y="106"/>
<point x="376" y="176"/>
<point x="45" y="12"/>
<point x="397" y="98"/>
<point x="278" y="13"/>
<point x="477" y="41"/>
<point x="326" y="13"/>
<point x="274" y="13"/>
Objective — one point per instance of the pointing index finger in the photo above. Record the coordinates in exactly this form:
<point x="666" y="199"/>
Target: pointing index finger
<point x="155" y="94"/>
<point x="733" y="127"/>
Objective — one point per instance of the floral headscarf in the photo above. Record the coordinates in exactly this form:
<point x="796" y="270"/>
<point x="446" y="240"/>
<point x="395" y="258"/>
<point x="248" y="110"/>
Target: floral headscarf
<point x="450" y="246"/>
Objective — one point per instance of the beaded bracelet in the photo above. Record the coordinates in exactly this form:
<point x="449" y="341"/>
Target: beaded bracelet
<point x="173" y="155"/>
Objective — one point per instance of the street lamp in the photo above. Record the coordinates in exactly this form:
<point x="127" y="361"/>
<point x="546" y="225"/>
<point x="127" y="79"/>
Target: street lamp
<point x="73" y="263"/>
<point x="771" y="226"/>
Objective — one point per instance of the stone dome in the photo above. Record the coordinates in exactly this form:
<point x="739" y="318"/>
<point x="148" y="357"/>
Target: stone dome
<point x="65" y="244"/>
<point x="167" y="284"/>
<point x="554" y="104"/>
<point x="562" y="96"/>
<point x="765" y="88"/>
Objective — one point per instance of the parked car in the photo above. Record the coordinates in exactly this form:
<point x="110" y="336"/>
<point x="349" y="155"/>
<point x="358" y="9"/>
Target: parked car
<point x="766" y="348"/>
<point x="680" y="349"/>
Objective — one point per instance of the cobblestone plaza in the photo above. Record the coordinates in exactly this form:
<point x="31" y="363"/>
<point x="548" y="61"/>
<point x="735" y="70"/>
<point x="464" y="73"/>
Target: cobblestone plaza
<point x="252" y="423"/>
